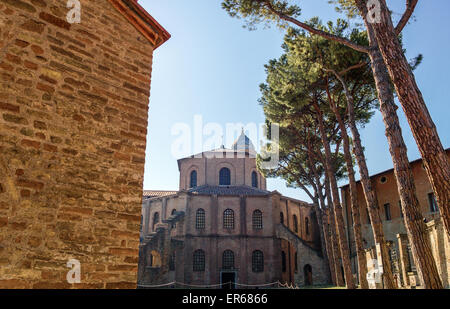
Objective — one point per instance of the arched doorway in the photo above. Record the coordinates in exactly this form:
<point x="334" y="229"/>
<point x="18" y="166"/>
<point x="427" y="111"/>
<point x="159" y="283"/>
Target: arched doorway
<point x="308" y="275"/>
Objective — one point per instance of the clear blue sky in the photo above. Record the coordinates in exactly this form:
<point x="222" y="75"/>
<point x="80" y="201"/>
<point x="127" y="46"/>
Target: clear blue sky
<point x="213" y="67"/>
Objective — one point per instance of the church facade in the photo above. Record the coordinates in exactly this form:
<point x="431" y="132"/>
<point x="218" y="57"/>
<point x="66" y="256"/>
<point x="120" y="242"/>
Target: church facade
<point x="224" y="228"/>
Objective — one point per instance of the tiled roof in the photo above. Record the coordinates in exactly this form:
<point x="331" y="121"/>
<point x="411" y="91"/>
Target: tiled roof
<point x="228" y="190"/>
<point x="153" y="193"/>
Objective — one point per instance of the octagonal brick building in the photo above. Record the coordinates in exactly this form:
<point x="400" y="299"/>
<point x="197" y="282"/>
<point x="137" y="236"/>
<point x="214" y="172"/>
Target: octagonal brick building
<point x="224" y="226"/>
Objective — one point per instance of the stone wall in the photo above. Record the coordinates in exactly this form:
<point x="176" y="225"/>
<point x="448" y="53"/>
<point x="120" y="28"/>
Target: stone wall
<point x="306" y="255"/>
<point x="440" y="246"/>
<point x="73" y="106"/>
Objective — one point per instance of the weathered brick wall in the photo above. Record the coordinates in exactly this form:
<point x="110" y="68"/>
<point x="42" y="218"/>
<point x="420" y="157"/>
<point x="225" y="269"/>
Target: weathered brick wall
<point x="73" y="119"/>
<point x="208" y="169"/>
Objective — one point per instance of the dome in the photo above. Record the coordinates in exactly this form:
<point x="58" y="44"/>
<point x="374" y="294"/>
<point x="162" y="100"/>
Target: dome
<point x="243" y="143"/>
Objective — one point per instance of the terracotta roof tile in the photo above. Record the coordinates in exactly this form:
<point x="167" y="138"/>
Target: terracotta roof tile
<point x="142" y="21"/>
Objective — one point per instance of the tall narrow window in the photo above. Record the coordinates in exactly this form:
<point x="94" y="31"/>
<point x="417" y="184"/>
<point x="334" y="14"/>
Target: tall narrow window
<point x="174" y="211"/>
<point x="224" y="177"/>
<point x="228" y="219"/>
<point x="257" y="220"/>
<point x="228" y="259"/>
<point x="296" y="262"/>
<point x="254" y="180"/>
<point x="257" y="261"/>
<point x="200" y="219"/>
<point x="281" y="218"/>
<point x="155" y="220"/>
<point x="387" y="211"/>
<point x="307" y="226"/>
<point x="432" y="202"/>
<point x="172" y="262"/>
<point x="198" y="263"/>
<point x="193" y="182"/>
<point x="283" y="261"/>
<point x="295" y="223"/>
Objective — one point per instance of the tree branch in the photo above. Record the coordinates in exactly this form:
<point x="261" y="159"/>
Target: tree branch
<point x="326" y="35"/>
<point x="410" y="6"/>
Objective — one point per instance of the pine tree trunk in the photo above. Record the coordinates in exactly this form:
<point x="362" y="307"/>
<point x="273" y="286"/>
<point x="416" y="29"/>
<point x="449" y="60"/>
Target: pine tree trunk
<point x="360" y="252"/>
<point x="339" y="217"/>
<point x="333" y="236"/>
<point x="318" y="196"/>
<point x="324" y="225"/>
<point x="369" y="193"/>
<point x="323" y="241"/>
<point x="421" y="249"/>
<point x="422" y="126"/>
<point x="326" y="233"/>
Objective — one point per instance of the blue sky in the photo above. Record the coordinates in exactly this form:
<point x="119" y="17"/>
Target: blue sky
<point x="213" y="67"/>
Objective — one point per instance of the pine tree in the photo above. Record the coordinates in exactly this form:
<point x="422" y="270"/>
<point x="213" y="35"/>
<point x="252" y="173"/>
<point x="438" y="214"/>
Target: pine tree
<point x="282" y="12"/>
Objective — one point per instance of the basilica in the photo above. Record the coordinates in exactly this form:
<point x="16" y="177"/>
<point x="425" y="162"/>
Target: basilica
<point x="223" y="227"/>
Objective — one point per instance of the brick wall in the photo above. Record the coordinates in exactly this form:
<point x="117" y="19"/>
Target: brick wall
<point x="73" y="121"/>
<point x="387" y="193"/>
<point x="209" y="166"/>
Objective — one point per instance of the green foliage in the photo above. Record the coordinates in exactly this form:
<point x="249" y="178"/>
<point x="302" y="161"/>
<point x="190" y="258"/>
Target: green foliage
<point x="346" y="7"/>
<point x="297" y="79"/>
<point x="258" y="11"/>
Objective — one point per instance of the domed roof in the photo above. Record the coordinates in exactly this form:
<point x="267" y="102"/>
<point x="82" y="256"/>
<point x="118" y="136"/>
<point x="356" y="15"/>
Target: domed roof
<point x="243" y="143"/>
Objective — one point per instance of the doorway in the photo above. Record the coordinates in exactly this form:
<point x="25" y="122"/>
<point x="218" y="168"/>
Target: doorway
<point x="228" y="280"/>
<point x="308" y="275"/>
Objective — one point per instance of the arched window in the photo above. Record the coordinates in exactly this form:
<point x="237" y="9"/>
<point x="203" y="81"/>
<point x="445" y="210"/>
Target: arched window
<point x="254" y="180"/>
<point x="198" y="264"/>
<point x="200" y="219"/>
<point x="307" y="225"/>
<point x="224" y="177"/>
<point x="283" y="261"/>
<point x="193" y="182"/>
<point x="174" y="211"/>
<point x="155" y="220"/>
<point x="228" y="219"/>
<point x="281" y="218"/>
<point x="295" y="224"/>
<point x="257" y="220"/>
<point x="257" y="261"/>
<point x="228" y="259"/>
